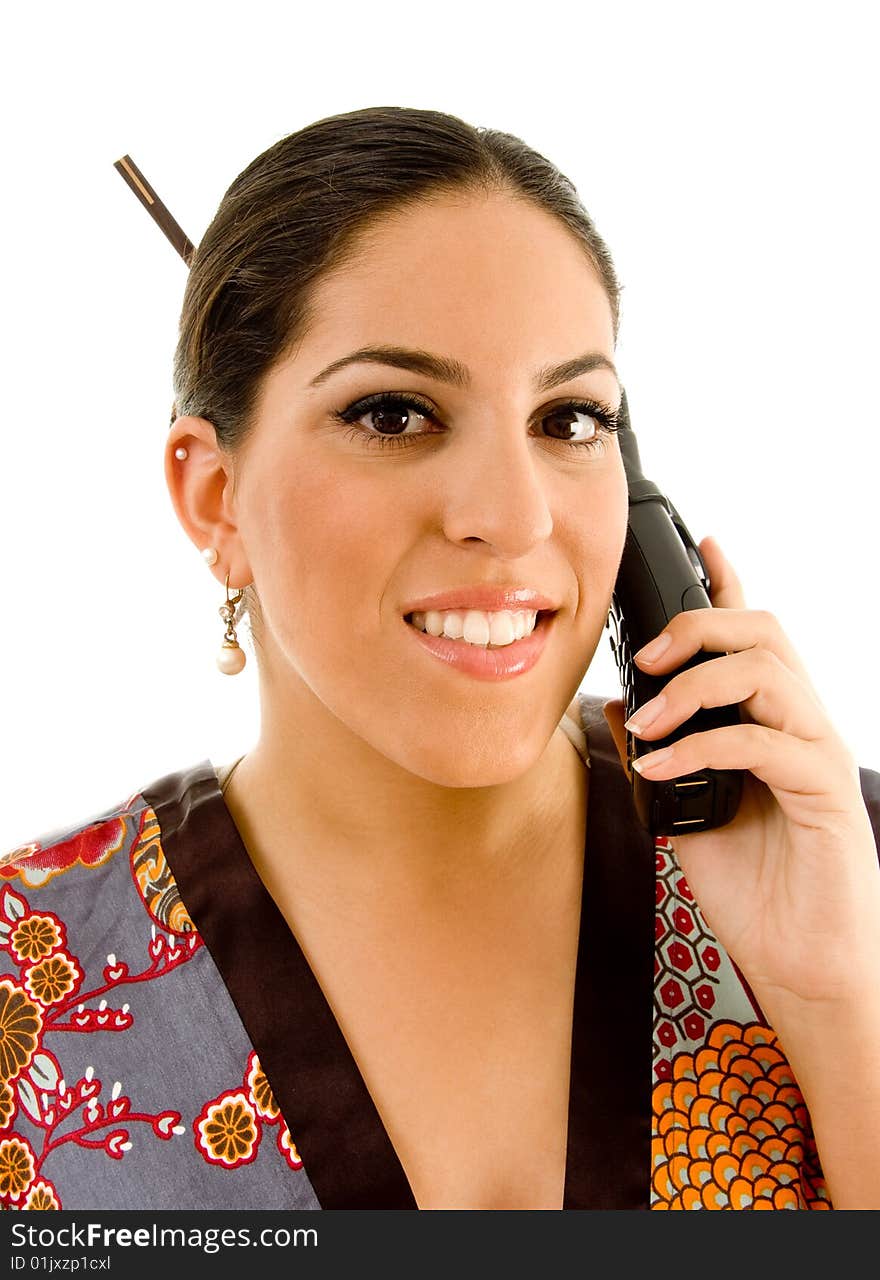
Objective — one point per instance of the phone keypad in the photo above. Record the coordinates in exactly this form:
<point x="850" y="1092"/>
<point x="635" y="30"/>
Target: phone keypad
<point x="620" y="647"/>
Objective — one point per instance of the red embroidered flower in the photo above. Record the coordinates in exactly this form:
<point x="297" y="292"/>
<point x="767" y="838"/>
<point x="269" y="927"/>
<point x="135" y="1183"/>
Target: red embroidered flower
<point x="7" y="1105"/>
<point x="261" y="1091"/>
<point x="42" y="1196"/>
<point x="287" y="1147"/>
<point x="16" y="1167"/>
<point x="35" y="937"/>
<point x="17" y="855"/>
<point x="20" y="1025"/>
<point x="52" y="979"/>
<point x="88" y="847"/>
<point x="227" y="1131"/>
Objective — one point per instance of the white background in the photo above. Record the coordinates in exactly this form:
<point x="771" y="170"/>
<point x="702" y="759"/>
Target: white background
<point x="728" y="157"/>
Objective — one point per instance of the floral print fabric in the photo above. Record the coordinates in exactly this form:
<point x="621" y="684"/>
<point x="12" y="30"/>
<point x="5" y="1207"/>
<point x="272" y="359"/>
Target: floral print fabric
<point x="119" y="1048"/>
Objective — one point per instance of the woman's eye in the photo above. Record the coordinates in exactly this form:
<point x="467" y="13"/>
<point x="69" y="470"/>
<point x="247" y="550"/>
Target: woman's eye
<point x="396" y="419"/>
<point x="560" y="420"/>
<point x="386" y="418"/>
<point x="390" y="418"/>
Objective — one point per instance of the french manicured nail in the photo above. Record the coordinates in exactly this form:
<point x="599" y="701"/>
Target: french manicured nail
<point x="652" y="758"/>
<point x="651" y="652"/>
<point x="646" y="715"/>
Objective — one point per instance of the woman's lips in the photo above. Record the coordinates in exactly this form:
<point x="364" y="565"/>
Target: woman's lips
<point x="503" y="663"/>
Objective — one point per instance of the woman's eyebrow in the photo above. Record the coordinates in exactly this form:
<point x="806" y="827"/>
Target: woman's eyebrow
<point x="452" y="371"/>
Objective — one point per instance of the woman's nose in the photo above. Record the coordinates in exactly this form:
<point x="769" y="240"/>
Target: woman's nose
<point x="497" y="491"/>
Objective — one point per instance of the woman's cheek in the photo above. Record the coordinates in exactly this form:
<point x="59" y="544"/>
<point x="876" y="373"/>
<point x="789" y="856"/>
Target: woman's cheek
<point x="325" y="549"/>
<point x="599" y="528"/>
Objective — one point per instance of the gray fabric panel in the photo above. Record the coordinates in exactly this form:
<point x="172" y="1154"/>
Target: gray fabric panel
<point x="186" y="1046"/>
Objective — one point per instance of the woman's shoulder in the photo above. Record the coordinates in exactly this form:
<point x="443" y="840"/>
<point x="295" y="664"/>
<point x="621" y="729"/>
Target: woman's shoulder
<point x="116" y="1023"/>
<point x="76" y="904"/>
<point x="88" y="843"/>
<point x="112" y="854"/>
<point x="584" y="722"/>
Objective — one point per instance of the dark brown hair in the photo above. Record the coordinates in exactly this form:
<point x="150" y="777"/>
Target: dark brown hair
<point x="301" y="210"/>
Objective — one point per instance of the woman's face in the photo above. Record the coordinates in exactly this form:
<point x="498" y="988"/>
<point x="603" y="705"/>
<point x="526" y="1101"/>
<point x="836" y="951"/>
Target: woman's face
<point x="340" y="533"/>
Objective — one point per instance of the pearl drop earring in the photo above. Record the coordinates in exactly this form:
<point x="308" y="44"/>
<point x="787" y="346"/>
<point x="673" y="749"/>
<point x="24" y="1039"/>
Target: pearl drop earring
<point x="181" y="453"/>
<point x="209" y="555"/>
<point x="231" y="657"/>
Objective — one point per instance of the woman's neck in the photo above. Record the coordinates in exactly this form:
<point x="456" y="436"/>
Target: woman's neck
<point x="313" y="823"/>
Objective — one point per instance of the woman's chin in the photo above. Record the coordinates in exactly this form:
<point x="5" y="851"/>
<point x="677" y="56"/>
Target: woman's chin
<point x="470" y="763"/>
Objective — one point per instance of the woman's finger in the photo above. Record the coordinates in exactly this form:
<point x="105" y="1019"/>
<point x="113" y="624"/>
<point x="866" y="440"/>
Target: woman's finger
<point x="766" y="689"/>
<point x="725" y="589"/>
<point x="723" y="631"/>
<point x="806" y="778"/>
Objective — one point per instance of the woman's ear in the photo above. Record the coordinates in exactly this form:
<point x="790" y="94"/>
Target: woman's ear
<point x="201" y="487"/>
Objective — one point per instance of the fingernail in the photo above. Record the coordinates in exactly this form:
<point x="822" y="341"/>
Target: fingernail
<point x="651" y="652"/>
<point x="652" y="758"/>
<point x="646" y="715"/>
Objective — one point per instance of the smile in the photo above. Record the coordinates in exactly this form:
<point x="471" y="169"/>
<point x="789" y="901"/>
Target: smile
<point x="481" y="657"/>
<point x="475" y="626"/>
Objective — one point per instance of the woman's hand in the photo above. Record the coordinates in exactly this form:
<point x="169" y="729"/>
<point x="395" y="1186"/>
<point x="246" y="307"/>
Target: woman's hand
<point x="790" y="887"/>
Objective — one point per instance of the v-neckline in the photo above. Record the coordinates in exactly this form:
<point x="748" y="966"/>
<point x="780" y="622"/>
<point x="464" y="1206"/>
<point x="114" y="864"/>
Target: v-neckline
<point x="346" y="1151"/>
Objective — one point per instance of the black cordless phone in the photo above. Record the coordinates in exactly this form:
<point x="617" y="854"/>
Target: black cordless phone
<point x="662" y="574"/>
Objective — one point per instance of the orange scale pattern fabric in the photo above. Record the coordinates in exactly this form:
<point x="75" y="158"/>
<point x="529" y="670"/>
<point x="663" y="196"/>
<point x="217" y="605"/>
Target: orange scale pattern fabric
<point x="730" y="1128"/>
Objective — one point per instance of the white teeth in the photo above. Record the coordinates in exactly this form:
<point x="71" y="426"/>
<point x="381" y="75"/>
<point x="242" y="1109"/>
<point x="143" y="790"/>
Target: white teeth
<point x="475" y="626"/>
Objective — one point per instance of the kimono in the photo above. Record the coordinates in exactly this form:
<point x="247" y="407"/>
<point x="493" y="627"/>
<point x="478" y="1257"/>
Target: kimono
<point x="165" y="1045"/>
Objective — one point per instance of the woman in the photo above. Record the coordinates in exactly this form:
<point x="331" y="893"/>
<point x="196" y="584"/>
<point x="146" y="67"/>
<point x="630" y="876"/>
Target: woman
<point x="408" y="951"/>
